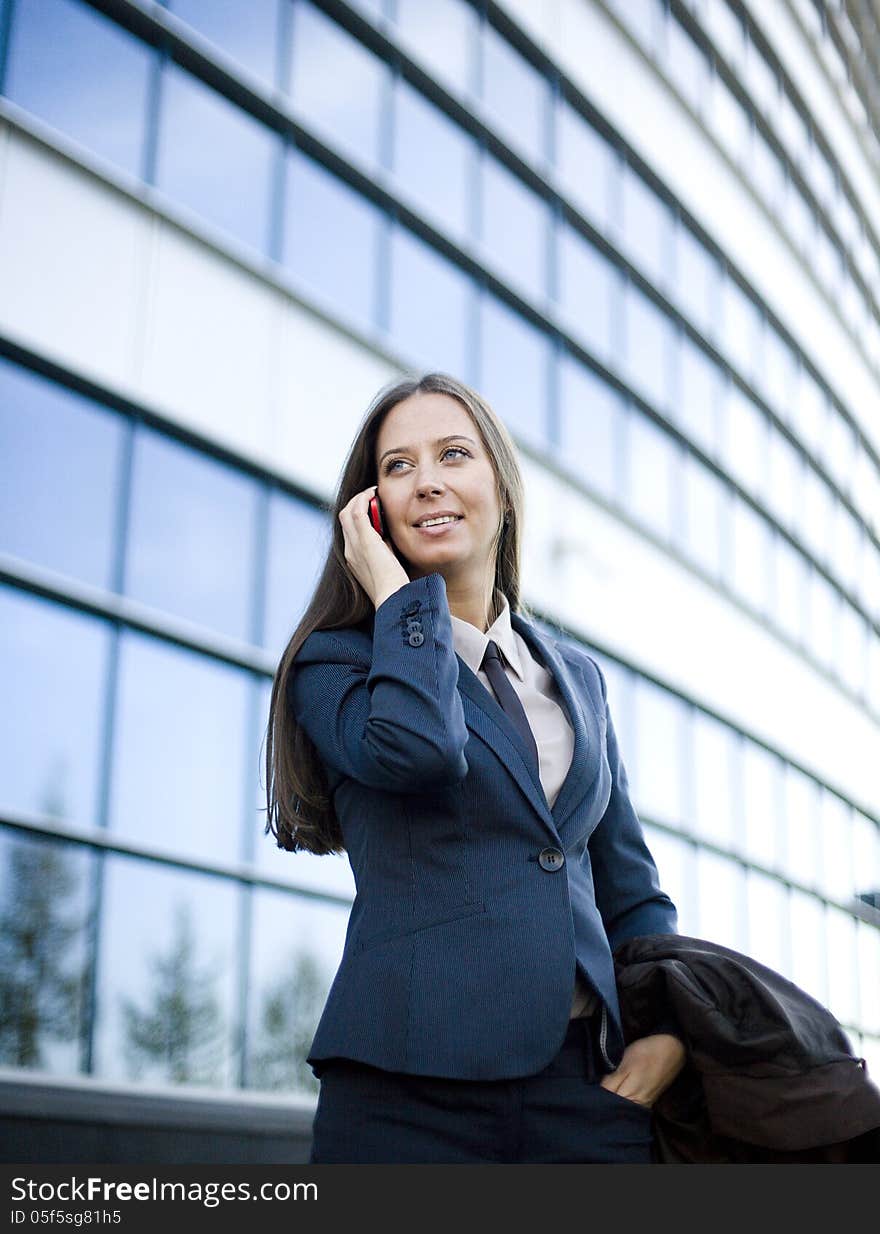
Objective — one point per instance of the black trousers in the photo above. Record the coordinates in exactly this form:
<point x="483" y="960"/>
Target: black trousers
<point x="560" y="1115"/>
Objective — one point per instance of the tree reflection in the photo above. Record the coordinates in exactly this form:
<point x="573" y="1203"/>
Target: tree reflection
<point x="41" y="983"/>
<point x="181" y="1032"/>
<point x="289" y="1017"/>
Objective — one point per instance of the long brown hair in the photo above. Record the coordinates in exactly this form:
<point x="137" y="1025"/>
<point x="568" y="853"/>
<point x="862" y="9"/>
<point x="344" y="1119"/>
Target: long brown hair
<point x="300" y="813"/>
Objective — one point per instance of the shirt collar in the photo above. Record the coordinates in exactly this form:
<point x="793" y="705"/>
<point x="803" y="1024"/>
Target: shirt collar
<point x="470" y="643"/>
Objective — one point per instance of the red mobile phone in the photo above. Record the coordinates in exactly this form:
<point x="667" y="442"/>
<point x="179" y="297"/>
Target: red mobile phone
<point x="376" y="515"/>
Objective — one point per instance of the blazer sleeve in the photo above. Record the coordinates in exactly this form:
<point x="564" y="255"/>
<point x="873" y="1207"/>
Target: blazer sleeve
<point x="388" y="715"/>
<point x="627" y="885"/>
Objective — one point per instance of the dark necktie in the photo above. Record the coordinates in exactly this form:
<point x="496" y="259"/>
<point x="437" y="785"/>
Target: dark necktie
<point x="509" y="700"/>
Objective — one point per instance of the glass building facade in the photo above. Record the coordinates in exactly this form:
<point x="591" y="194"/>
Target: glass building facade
<point x="649" y="233"/>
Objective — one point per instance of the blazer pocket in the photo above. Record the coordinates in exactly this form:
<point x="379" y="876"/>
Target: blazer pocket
<point x="393" y="933"/>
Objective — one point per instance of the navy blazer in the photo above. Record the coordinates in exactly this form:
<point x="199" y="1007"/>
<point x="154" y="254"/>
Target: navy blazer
<point x="466" y="927"/>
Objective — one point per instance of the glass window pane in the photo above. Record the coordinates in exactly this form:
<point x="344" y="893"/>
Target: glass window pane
<point x="767" y="921"/>
<point x="289" y="984"/>
<point x="868" y="951"/>
<point x="687" y="65"/>
<point x="331" y="241"/>
<point x="249" y="32"/>
<point x="187" y="715"/>
<point x="866" y="847"/>
<point x="53" y="665"/>
<point x="590" y="426"/>
<point x="443" y="34"/>
<point x="697" y="278"/>
<point x="649" y="348"/>
<point x="743" y="329"/>
<point x="768" y="174"/>
<point x="779" y="377"/>
<point x="431" y="307"/>
<point x="44" y="952"/>
<point x="298" y="543"/>
<point x="762" y="834"/>
<point x="697" y="412"/>
<point x="808" y="945"/>
<point x="589" y="288"/>
<point x="192" y="535"/>
<point x="816" y="509"/>
<point x="840" y="450"/>
<point x="647" y="228"/>
<point x="752" y="549"/>
<point x="811" y="419"/>
<point x="837" y="871"/>
<point x="712" y="769"/>
<point x="802" y="827"/>
<point x="207" y="144"/>
<point x="433" y="160"/>
<point x="651" y="471"/>
<point x="730" y="120"/>
<point x="747" y="444"/>
<point x="791" y="574"/>
<point x="587" y="166"/>
<point x="168" y="976"/>
<point x="514" y="370"/>
<point x="846" y="544"/>
<point x="54" y="48"/>
<point x="660" y="753"/>
<point x="60" y="459"/>
<point x="706" y="515"/>
<point x="337" y="85"/>
<point x="824" y="617"/>
<point x="515" y="228"/>
<point x="721" y="895"/>
<point x="843" y="974"/>
<point x="785" y="479"/>
<point x="852" y="660"/>
<point x="516" y="96"/>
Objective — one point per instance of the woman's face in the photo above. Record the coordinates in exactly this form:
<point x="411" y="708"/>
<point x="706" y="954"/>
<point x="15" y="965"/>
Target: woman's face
<point x="430" y="459"/>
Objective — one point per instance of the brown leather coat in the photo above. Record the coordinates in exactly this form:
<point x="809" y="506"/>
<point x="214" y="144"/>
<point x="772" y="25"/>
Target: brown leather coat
<point x="770" y="1075"/>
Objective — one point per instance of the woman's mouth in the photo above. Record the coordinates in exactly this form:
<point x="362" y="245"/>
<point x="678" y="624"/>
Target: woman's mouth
<point x="438" y="527"/>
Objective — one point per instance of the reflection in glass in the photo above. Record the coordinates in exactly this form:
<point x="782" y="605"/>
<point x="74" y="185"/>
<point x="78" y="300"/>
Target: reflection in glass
<point x="207" y="145"/>
<point x="249" y="32"/>
<point x="298" y="542"/>
<point x="192" y="535"/>
<point x="54" y="49"/>
<point x="60" y="458"/>
<point x="53" y="664"/>
<point x="660" y="753"/>
<point x="433" y="159"/>
<point x="296" y="948"/>
<point x="331" y="240"/>
<point x="589" y="290"/>
<point x="587" y="166"/>
<point x="516" y="95"/>
<point x="653" y="467"/>
<point x="590" y="427"/>
<point x="44" y="924"/>
<point x="514" y="370"/>
<point x="167" y="972"/>
<point x="515" y="227"/>
<point x="180" y="750"/>
<point x="431" y="307"/>
<point x="336" y="84"/>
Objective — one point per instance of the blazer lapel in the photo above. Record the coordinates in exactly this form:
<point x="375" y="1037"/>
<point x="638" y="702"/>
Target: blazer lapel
<point x="584" y="760"/>
<point x="485" y="716"/>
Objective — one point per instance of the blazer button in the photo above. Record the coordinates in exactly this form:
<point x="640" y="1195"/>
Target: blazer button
<point x="416" y="640"/>
<point x="551" y="858"/>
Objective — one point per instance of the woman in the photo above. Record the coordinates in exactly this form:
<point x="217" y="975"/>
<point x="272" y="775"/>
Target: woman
<point x="484" y="809"/>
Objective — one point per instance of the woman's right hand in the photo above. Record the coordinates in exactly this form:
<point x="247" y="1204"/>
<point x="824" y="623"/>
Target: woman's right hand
<point x="369" y="557"/>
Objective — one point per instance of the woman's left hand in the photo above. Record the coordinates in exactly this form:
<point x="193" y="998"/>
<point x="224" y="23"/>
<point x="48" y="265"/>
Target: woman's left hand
<point x="648" y="1067"/>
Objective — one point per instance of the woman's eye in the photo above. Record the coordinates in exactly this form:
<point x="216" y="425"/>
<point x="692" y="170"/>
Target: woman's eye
<point x="391" y="466"/>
